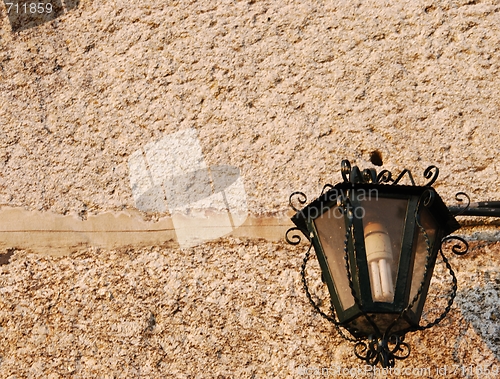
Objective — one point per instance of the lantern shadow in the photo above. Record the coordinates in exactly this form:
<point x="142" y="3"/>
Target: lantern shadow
<point x="26" y="14"/>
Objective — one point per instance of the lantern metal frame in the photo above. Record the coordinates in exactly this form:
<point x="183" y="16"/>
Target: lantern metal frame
<point x="380" y="346"/>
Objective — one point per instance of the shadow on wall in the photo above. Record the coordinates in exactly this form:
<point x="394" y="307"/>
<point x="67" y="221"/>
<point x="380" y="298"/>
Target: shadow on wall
<point x="480" y="306"/>
<point x="205" y="202"/>
<point x="26" y="14"/>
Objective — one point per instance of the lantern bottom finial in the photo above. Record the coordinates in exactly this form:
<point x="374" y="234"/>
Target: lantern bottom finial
<point x="382" y="350"/>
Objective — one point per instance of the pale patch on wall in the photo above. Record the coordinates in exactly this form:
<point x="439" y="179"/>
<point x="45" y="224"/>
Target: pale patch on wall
<point x="171" y="174"/>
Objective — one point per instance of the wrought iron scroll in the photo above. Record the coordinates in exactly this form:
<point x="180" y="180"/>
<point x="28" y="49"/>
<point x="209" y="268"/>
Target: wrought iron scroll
<point x="385" y="176"/>
<point x="353" y="175"/>
<point x="459" y="248"/>
<point x="458" y="197"/>
<point x="301" y="198"/>
<point x="294" y="239"/>
<point x="384" y="350"/>
<point x="432" y="173"/>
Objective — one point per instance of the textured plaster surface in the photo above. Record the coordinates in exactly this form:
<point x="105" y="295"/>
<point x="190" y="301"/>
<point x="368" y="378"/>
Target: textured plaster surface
<point x="282" y="90"/>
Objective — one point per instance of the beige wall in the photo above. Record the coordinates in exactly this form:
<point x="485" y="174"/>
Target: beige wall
<point x="282" y="90"/>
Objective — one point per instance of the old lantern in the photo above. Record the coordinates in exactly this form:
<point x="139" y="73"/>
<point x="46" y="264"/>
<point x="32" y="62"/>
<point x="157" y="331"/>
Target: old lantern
<point x="377" y="243"/>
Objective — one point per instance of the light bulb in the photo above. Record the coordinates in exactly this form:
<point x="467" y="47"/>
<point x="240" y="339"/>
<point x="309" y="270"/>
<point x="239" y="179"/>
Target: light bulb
<point x="379" y="255"/>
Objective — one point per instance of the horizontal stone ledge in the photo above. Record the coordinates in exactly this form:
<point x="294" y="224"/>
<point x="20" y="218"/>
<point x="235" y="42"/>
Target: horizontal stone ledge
<point x="49" y="233"/>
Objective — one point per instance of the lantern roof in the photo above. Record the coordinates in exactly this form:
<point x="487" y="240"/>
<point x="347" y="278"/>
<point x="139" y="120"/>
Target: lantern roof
<point x="329" y="198"/>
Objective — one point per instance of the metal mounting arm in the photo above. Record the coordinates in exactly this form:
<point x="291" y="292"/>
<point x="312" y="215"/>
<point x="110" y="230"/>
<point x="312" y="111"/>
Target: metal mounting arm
<point x="482" y="209"/>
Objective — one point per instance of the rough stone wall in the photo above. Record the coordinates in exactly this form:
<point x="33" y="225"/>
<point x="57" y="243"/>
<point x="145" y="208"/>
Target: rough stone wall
<point x="226" y="309"/>
<point x="284" y="91"/>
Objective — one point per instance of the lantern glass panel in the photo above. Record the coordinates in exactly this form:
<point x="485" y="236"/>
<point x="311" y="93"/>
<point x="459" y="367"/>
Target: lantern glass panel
<point x="421" y="253"/>
<point x="331" y="231"/>
<point x="383" y="228"/>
